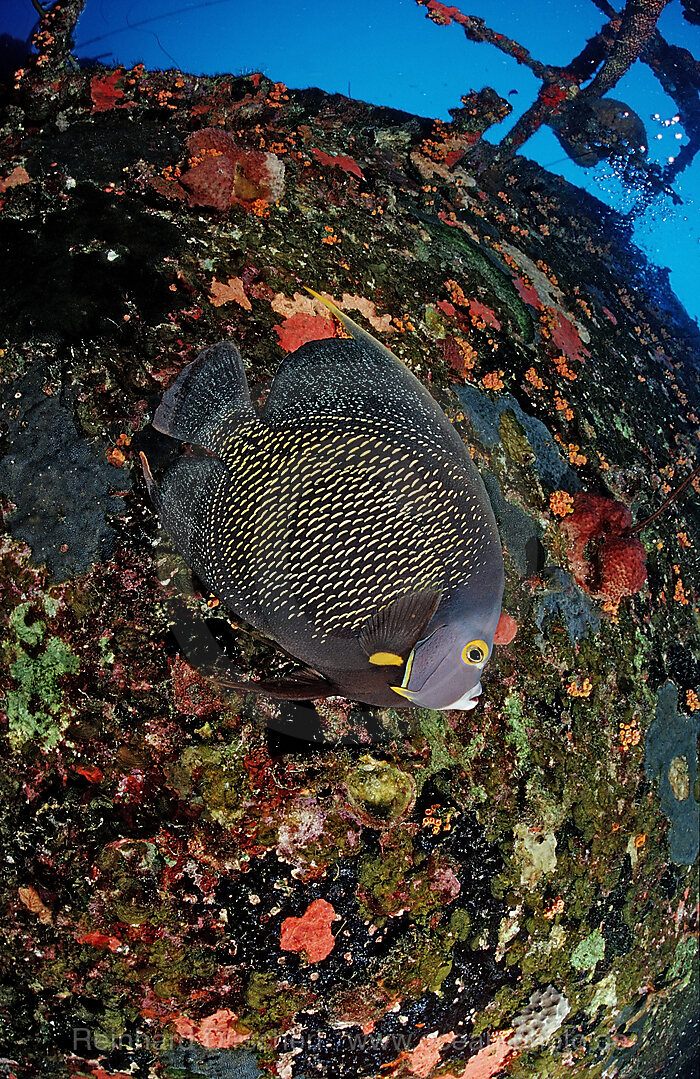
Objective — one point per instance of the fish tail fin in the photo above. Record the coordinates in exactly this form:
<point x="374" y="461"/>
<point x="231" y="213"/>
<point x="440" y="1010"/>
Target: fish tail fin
<point x="208" y="392"/>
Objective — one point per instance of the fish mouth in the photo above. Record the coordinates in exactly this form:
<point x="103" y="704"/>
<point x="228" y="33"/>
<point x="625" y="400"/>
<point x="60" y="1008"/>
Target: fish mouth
<point x="465" y="703"/>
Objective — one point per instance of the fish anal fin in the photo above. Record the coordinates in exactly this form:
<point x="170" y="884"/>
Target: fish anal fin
<point x="391" y="633"/>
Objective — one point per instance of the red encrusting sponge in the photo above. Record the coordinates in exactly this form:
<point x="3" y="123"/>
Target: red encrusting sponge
<point x="222" y="173"/>
<point x="605" y="561"/>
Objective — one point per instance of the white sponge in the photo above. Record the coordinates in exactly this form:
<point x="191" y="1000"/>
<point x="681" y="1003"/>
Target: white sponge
<point x="544" y="1013"/>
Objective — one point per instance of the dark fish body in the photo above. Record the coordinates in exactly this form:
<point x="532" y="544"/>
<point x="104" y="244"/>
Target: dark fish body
<point x="346" y="521"/>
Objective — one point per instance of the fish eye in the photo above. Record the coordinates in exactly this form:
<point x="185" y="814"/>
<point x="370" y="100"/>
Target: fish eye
<point x="475" y="652"/>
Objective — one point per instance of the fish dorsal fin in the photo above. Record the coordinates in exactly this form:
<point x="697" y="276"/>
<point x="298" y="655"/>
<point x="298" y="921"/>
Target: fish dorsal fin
<point x="390" y="634"/>
<point x="355" y="331"/>
<point x="359" y="379"/>
<point x="211" y="390"/>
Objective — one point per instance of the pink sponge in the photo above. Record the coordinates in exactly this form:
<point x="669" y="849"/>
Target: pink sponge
<point x="221" y="173"/>
<point x="623" y="568"/>
<point x="606" y="563"/>
<point x="210" y="182"/>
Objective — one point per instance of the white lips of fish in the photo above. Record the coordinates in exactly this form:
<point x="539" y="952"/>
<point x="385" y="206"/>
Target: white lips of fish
<point x="466" y="702"/>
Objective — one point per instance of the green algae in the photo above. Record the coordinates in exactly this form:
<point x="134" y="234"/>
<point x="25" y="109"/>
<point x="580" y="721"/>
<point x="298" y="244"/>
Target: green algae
<point x="36" y="708"/>
<point x="431" y="731"/>
<point x="107" y="656"/>
<point x="544" y="1064"/>
<point x="460" y="924"/>
<point x="435" y="323"/>
<point x="517" y="735"/>
<point x="381" y="790"/>
<point x="419" y="964"/>
<point x="514" y="439"/>
<point x="604" y="995"/>
<point x="485" y="268"/>
<point x="588" y="952"/>
<point x="683" y="969"/>
<point x="219" y="777"/>
<point x="270" y="1006"/>
<point x="401" y="878"/>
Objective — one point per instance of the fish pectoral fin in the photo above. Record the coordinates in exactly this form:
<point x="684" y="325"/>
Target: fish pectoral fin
<point x="301" y="685"/>
<point x="391" y="633"/>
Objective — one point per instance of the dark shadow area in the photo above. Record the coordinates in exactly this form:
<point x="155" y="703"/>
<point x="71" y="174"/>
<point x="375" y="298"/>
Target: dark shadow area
<point x="70" y="274"/>
<point x="14" y="53"/>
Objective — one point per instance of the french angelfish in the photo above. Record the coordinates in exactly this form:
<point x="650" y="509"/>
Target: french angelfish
<point x="346" y="521"/>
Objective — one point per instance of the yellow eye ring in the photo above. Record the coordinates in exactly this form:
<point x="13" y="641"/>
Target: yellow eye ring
<point x="475" y="653"/>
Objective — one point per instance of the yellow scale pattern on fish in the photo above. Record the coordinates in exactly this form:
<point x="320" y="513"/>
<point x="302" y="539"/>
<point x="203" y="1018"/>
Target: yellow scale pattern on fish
<point x="346" y="520"/>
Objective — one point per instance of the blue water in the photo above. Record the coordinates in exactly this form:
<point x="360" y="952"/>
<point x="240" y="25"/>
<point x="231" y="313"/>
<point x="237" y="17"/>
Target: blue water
<point x="390" y="53"/>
